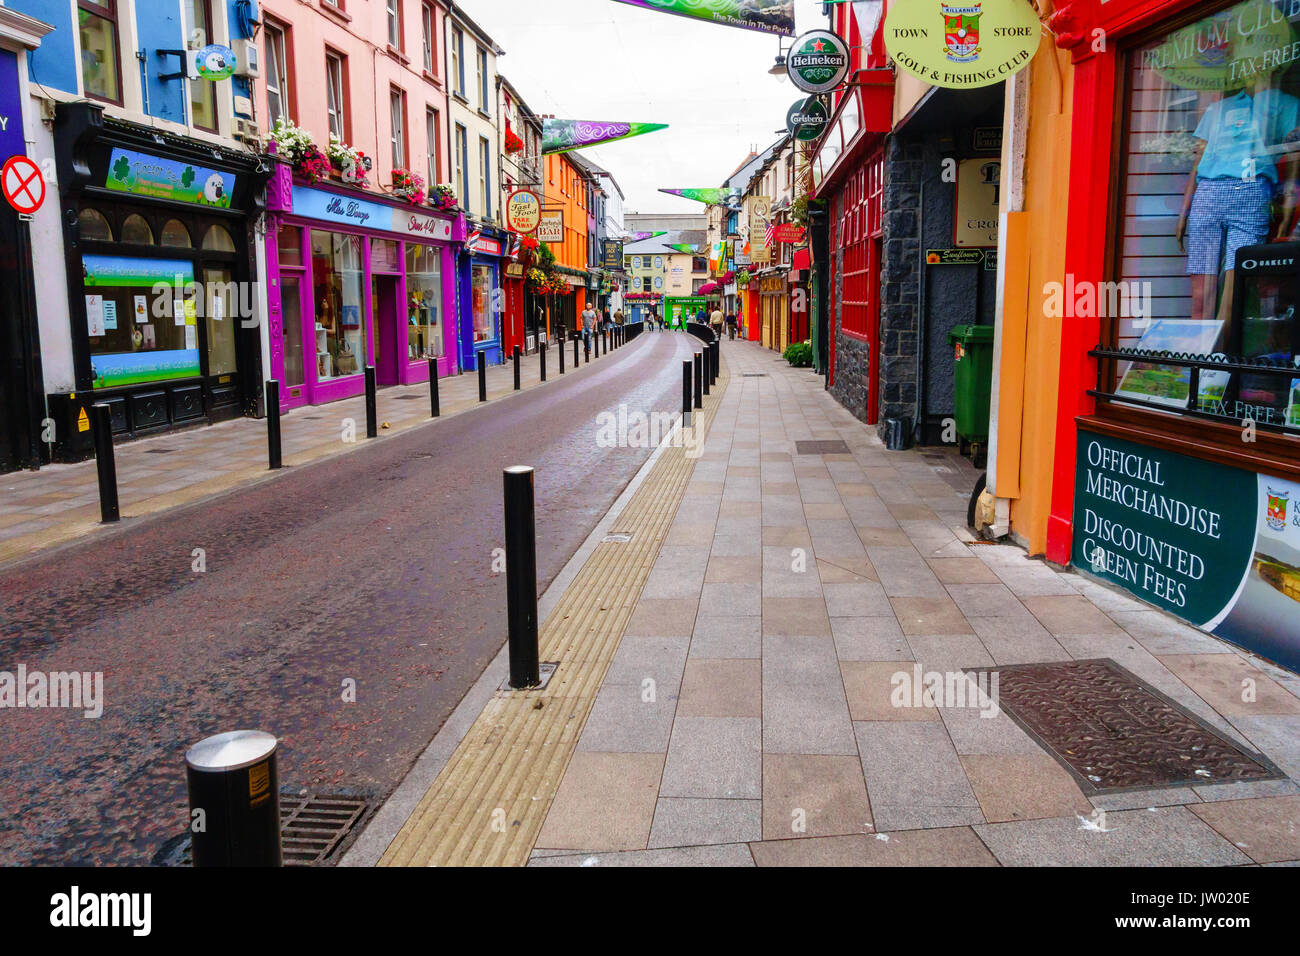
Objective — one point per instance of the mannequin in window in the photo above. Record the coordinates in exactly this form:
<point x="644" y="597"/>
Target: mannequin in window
<point x="1234" y="177"/>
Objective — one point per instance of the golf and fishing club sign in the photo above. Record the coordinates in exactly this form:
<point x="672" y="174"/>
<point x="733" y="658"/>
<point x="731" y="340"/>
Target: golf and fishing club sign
<point x="962" y="45"/>
<point x="818" y="61"/>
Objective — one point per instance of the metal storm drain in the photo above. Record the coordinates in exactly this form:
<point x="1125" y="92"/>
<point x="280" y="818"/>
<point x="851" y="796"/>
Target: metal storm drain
<point x="312" y="828"/>
<point x="753" y="375"/>
<point x="159" y="451"/>
<point x="821" y="447"/>
<point x="1113" y="731"/>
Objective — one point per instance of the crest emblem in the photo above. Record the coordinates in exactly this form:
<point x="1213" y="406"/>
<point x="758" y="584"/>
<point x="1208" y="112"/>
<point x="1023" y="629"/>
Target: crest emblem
<point x="1276" y="515"/>
<point x="961" y="32"/>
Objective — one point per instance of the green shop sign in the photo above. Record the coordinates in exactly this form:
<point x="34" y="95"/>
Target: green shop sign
<point x="806" y="119"/>
<point x="818" y="61"/>
<point x="144" y="175"/>
<point x="1216" y="545"/>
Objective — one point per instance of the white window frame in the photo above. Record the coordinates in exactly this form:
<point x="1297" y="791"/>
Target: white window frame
<point x="335" y="100"/>
<point x="277" y="71"/>
<point x="397" y="122"/>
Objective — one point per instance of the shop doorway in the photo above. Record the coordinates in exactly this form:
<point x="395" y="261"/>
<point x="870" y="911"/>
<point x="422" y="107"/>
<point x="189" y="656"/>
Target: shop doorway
<point x="291" y="326"/>
<point x="384" y="320"/>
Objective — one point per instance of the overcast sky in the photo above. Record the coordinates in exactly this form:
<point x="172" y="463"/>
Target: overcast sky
<point x="605" y="60"/>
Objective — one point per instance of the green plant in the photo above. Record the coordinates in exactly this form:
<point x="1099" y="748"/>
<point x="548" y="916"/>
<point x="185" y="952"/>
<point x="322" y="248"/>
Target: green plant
<point x="799" y="354"/>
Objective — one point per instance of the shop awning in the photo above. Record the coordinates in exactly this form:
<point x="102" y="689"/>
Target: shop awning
<point x="802" y="260"/>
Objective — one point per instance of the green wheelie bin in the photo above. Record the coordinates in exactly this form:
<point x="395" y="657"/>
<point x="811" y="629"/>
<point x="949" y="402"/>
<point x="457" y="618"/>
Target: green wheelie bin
<point x="973" y="374"/>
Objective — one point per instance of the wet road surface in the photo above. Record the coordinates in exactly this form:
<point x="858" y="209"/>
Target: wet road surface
<point x="374" y="566"/>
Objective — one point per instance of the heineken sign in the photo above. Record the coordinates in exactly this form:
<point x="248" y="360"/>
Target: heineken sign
<point x="806" y="119"/>
<point x="965" y="44"/>
<point x="818" y="61"/>
<point x="1216" y="545"/>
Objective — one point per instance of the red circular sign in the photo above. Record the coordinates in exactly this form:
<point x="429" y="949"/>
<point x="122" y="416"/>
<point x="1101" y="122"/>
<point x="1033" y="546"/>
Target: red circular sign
<point x="22" y="184"/>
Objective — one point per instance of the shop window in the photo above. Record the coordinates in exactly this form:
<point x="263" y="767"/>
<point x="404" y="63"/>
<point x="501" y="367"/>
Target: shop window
<point x="384" y="256"/>
<point x="92" y="225"/>
<point x="101" y="67"/>
<point x="481" y="300"/>
<point x="135" y="229"/>
<point x="340" y="334"/>
<point x="423" y="302"/>
<point x="288" y="243"/>
<point x="1210" y="166"/>
<point x="219" y="316"/>
<point x="175" y="234"/>
<point x="216" y="239"/>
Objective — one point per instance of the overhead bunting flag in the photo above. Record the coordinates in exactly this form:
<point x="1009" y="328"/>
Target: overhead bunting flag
<point x="641" y="236"/>
<point x="766" y="16"/>
<point x="710" y="196"/>
<point x="560" y="136"/>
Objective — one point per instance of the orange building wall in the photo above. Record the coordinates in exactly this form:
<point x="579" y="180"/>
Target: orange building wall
<point x="566" y="190"/>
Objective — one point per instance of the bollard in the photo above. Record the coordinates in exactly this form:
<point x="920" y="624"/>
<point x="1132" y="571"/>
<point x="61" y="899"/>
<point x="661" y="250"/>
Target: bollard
<point x="516" y="358"/>
<point x="482" y="377"/>
<point x="575" y="353"/>
<point x="560" y="351"/>
<point x="234" y="788"/>
<point x="372" y="415"/>
<point x="102" y="425"/>
<point x="434" y="410"/>
<point x="521" y="576"/>
<point x="706" y="366"/>
<point x="541" y="352"/>
<point x="699" y="380"/>
<point x="586" y="350"/>
<point x="273" y="424"/>
<point x="686" y="392"/>
<point x="713" y="362"/>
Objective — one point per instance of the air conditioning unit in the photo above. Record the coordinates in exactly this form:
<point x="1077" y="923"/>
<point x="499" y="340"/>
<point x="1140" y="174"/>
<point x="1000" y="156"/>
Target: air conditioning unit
<point x="247" y="62"/>
<point x="245" y="129"/>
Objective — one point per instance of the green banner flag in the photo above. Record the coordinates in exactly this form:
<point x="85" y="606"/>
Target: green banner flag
<point x="710" y="196"/>
<point x="640" y="236"/>
<point x="766" y="16"/>
<point x="683" y="247"/>
<point x="561" y="136"/>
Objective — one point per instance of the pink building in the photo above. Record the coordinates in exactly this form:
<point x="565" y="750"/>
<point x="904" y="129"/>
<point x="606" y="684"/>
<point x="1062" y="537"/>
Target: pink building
<point x="358" y="274"/>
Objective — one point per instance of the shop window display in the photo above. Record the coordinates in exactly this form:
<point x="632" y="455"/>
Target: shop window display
<point x="1211" y="168"/>
<point x="482" y="296"/>
<point x="423" y="302"/>
<point x="340" y="335"/>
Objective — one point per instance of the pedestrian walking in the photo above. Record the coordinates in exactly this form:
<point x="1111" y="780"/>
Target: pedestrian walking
<point x="715" y="322"/>
<point x="731" y="326"/>
<point x="588" y="325"/>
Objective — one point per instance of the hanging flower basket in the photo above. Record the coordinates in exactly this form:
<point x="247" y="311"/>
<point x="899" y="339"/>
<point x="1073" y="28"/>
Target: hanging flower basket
<point x="312" y="164"/>
<point x="513" y="143"/>
<point x="409" y="186"/>
<point x="442" y="196"/>
<point x="352" y="164"/>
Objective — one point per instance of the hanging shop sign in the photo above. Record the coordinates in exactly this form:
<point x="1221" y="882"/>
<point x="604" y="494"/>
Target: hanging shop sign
<point x="766" y="16"/>
<point x="215" y="62"/>
<point x="962" y="45"/>
<point x="788" y="232"/>
<point x="806" y="119"/>
<point x="143" y="174"/>
<point x="11" y="110"/>
<point x="561" y="136"/>
<point x="550" y="225"/>
<point x="1216" y="545"/>
<point x="953" y="257"/>
<point x="818" y="61"/>
<point x="976" y="216"/>
<point x="523" y="211"/>
<point x="760" y="211"/>
<point x="611" y="254"/>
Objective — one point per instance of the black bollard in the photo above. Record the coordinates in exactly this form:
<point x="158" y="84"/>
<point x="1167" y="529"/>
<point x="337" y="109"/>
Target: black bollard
<point x="699" y="380"/>
<point x="586" y="350"/>
<point x="575" y="352"/>
<point x="706" y="366"/>
<point x="541" y="352"/>
<point x="234" y="788"/>
<point x="482" y="377"/>
<point x="372" y="413"/>
<point x="686" y="392"/>
<point x="521" y="576"/>
<point x="434" y="410"/>
<point x="273" y="424"/>
<point x="713" y="362"/>
<point x="101" y="420"/>
<point x="560" y="351"/>
<point x="516" y="358"/>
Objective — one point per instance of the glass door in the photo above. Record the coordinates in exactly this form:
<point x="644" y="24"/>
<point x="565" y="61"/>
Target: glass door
<point x="291" y="328"/>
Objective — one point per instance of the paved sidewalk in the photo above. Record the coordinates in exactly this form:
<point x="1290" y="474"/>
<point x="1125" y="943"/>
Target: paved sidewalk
<point x="747" y="717"/>
<point x="39" y="509"/>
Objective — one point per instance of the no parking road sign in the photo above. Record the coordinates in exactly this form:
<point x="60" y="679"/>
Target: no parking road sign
<point x="22" y="184"/>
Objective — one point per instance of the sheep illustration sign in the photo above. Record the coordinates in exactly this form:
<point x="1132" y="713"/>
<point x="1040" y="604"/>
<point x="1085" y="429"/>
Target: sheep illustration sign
<point x="962" y="45"/>
<point x="215" y="62"/>
<point x="146" y="175"/>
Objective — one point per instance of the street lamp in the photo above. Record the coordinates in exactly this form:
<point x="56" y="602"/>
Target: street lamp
<point x="779" y="68"/>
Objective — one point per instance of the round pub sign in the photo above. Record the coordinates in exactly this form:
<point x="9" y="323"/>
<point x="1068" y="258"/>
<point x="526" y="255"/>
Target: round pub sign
<point x="523" y="211"/>
<point x="962" y="45"/>
<point x="818" y="61"/>
<point x="806" y="119"/>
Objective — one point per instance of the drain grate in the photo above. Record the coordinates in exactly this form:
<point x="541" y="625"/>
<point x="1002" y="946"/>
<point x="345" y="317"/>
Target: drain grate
<point x="312" y="828"/>
<point x="407" y="398"/>
<point x="821" y="447"/>
<point x="753" y="375"/>
<point x="1113" y="731"/>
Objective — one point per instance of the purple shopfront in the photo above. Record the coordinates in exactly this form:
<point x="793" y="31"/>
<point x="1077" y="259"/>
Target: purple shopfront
<point x="356" y="280"/>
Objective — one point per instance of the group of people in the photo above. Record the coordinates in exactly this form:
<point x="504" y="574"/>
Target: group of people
<point x="717" y="320"/>
<point x="591" y="321"/>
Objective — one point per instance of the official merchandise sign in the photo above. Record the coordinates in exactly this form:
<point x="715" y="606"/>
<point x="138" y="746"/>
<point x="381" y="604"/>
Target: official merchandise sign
<point x="22" y="184"/>
<point x="962" y="45"/>
<point x="550" y="226"/>
<point x="806" y="119"/>
<point x="1216" y="545"/>
<point x="818" y="61"/>
<point x="523" y="211"/>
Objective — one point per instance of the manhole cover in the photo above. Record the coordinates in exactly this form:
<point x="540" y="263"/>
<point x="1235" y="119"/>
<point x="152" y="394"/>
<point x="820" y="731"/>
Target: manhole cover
<point x="159" y="451"/>
<point x="1113" y="731"/>
<point x="822" y="447"/>
<point x="312" y="828"/>
<point x="753" y="375"/>
<point x="407" y="398"/>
